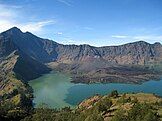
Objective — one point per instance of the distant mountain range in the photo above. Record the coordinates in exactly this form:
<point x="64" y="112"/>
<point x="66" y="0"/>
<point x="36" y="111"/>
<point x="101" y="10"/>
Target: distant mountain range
<point x="34" y="56"/>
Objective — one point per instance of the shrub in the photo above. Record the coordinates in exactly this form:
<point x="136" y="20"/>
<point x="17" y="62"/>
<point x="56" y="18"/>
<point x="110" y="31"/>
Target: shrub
<point x="142" y="112"/>
<point x="114" y="94"/>
<point x="94" y="117"/>
<point x="104" y="104"/>
<point x="120" y="116"/>
<point x="124" y="99"/>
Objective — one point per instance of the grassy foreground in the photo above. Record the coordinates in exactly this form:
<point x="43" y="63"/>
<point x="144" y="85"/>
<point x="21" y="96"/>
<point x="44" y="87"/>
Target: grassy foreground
<point x="112" y="107"/>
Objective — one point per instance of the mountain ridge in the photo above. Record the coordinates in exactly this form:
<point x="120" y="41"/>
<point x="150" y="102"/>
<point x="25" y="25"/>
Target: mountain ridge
<point x="24" y="56"/>
<point x="45" y="55"/>
<point x="52" y="51"/>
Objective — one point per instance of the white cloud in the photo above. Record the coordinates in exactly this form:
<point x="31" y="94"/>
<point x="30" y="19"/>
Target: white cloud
<point x="127" y="39"/>
<point x="66" y="2"/>
<point x="139" y="37"/>
<point x="148" y="37"/>
<point x="9" y="16"/>
<point x="69" y="40"/>
<point x="35" y="26"/>
<point x="59" y="33"/>
<point x="119" y="36"/>
<point x="5" y="24"/>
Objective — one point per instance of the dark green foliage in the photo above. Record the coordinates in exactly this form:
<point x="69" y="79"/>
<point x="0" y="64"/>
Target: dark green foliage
<point x="103" y="105"/>
<point x="114" y="94"/>
<point x="124" y="99"/>
<point x="46" y="114"/>
<point x="94" y="117"/>
<point x="10" y="111"/>
<point x="65" y="116"/>
<point x="160" y="103"/>
<point x="66" y="109"/>
<point x="120" y="116"/>
<point x="106" y="106"/>
<point x="142" y="112"/>
<point x="42" y="114"/>
<point x="151" y="116"/>
<point x="139" y="112"/>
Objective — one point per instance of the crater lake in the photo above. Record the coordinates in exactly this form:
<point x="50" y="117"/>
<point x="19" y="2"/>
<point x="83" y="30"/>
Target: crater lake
<point x="56" y="89"/>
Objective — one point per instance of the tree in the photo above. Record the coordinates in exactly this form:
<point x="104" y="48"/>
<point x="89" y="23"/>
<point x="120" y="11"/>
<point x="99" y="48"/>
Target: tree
<point x="114" y="94"/>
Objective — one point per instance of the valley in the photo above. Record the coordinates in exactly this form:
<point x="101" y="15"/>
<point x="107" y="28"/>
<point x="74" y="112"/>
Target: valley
<point x="80" y="60"/>
<point x="31" y="66"/>
<point x="129" y="63"/>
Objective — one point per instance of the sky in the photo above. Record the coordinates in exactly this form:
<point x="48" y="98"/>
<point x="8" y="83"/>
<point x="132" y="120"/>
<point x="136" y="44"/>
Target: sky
<point x="94" y="22"/>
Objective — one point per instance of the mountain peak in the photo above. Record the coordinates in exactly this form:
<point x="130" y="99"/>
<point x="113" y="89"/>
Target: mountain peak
<point x="14" y="29"/>
<point x="141" y="42"/>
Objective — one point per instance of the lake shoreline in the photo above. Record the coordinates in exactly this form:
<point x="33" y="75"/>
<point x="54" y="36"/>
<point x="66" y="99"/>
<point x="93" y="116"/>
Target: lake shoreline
<point x="57" y="90"/>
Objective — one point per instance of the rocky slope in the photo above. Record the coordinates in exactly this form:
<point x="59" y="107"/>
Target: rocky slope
<point x="133" y="53"/>
<point x="46" y="51"/>
<point x="24" y="56"/>
<point x="15" y="94"/>
<point x="15" y="42"/>
<point x="109" y="63"/>
<point x="16" y="67"/>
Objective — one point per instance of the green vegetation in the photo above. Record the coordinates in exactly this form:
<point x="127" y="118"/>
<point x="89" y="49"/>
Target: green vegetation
<point x="20" y="62"/>
<point x="125" y="107"/>
<point x="16" y="105"/>
<point x="103" y="105"/>
<point x="114" y="94"/>
<point x="16" y="99"/>
<point x="139" y="112"/>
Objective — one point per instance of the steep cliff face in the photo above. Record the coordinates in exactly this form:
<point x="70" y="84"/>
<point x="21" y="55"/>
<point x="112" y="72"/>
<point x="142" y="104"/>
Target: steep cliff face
<point x="23" y="57"/>
<point x="15" y="94"/>
<point x="35" y="47"/>
<point x="133" y="53"/>
<point x="16" y="67"/>
<point x="46" y="51"/>
<point x="27" y="65"/>
<point x="35" y="52"/>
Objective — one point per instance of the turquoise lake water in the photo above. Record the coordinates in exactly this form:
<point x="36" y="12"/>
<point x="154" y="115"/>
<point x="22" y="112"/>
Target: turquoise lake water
<point x="56" y="90"/>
